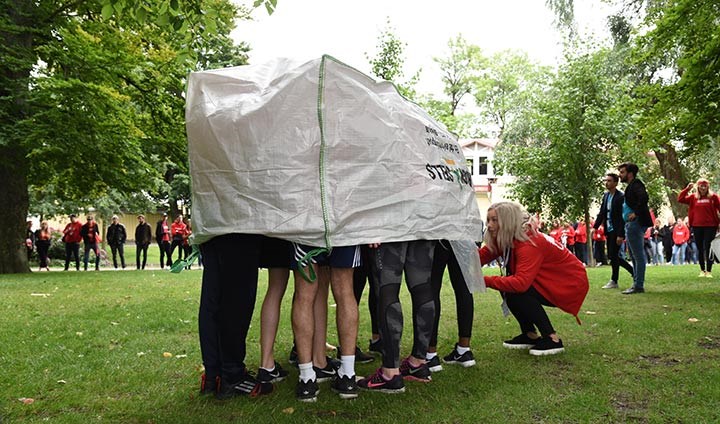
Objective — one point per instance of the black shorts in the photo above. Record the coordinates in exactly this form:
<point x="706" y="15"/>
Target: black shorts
<point x="275" y="253"/>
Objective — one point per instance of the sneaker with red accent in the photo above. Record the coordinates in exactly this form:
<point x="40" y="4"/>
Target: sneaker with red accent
<point x="246" y="385"/>
<point x="378" y="383"/>
<point x="420" y="373"/>
<point x="209" y="385"/>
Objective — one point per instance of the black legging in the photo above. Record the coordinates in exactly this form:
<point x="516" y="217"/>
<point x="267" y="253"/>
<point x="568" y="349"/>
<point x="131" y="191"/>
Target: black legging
<point x="388" y="263"/>
<point x="527" y="308"/>
<point x="141" y="248"/>
<point x="703" y="237"/>
<point x="360" y="275"/>
<point x="614" y="256"/>
<point x="227" y="301"/>
<point x="43" y="246"/>
<point x="464" y="306"/>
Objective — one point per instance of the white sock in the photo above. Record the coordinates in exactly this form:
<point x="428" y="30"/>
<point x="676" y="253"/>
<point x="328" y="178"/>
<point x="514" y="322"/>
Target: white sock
<point x="430" y="355"/>
<point x="268" y="369"/>
<point x="347" y="366"/>
<point x="461" y="350"/>
<point x="307" y="373"/>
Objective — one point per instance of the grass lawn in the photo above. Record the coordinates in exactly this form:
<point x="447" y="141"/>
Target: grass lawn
<point x="88" y="347"/>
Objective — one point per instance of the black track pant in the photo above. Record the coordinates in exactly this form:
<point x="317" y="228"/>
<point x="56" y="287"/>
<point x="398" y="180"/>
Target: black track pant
<point x="527" y="308"/>
<point x="360" y="275"/>
<point x="703" y="237"/>
<point x="464" y="306"/>
<point x="614" y="256"/>
<point x="227" y="301"/>
<point x="388" y="263"/>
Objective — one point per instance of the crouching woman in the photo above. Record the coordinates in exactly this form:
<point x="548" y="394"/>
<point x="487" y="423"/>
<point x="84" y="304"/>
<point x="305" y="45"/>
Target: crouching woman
<point x="536" y="271"/>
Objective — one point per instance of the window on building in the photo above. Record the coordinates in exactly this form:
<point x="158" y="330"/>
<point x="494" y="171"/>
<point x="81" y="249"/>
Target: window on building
<point x="482" y="166"/>
<point x="469" y="163"/>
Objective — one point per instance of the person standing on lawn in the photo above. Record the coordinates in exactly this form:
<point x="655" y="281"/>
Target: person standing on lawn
<point x="703" y="219"/>
<point x="116" y="236"/>
<point x="72" y="239"/>
<point x="162" y="236"/>
<point x="636" y="214"/>
<point x="43" y="238"/>
<point x="91" y="237"/>
<point x="610" y="217"/>
<point x="143" y="238"/>
<point x="537" y="271"/>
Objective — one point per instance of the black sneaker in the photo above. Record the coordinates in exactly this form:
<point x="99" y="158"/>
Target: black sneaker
<point x="434" y="364"/>
<point x="307" y="392"/>
<point x="325" y="374"/>
<point x="375" y="347"/>
<point x="292" y="358"/>
<point x="546" y="346"/>
<point x="420" y="373"/>
<point x="378" y="383"/>
<point x="466" y="359"/>
<point x="245" y="385"/>
<point x="209" y="385"/>
<point x="633" y="290"/>
<point x="345" y="386"/>
<point x="334" y="363"/>
<point x="277" y="375"/>
<point x="521" y="341"/>
<point x="360" y="356"/>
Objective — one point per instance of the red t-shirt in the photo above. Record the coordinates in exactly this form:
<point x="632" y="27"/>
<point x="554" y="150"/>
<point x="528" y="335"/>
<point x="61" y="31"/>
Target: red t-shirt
<point x="581" y="233"/>
<point x="72" y="232"/>
<point x="545" y="265"/>
<point x="703" y="211"/>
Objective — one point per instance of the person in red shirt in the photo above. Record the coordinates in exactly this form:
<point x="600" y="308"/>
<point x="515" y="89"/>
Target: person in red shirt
<point x="581" y="242"/>
<point x="72" y="238"/>
<point x="538" y="271"/>
<point x="556" y="232"/>
<point x="680" y="236"/>
<point x="177" y="232"/>
<point x="162" y="236"/>
<point x="704" y="220"/>
<point x="568" y="235"/>
<point x="599" y="238"/>
<point x="91" y="237"/>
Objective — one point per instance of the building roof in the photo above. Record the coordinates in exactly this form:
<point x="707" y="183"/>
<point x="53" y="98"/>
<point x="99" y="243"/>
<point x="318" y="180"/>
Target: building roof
<point x="482" y="142"/>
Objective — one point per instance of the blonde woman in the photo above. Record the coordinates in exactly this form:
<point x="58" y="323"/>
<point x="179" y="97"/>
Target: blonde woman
<point x="537" y="271"/>
<point x="42" y="241"/>
<point x="703" y="219"/>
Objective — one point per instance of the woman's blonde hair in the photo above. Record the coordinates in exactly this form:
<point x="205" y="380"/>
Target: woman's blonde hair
<point x="514" y="223"/>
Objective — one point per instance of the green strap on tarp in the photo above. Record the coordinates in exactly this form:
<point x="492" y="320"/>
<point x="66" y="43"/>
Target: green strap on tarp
<point x="178" y="266"/>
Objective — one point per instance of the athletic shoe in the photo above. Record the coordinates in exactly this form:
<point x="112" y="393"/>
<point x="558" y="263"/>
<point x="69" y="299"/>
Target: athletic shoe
<point x="633" y="290"/>
<point x="521" y="341"/>
<point x="292" y="358"/>
<point x="209" y="385"/>
<point x="466" y="359"/>
<point x="325" y="374"/>
<point x="434" y="364"/>
<point x="345" y="386"/>
<point x="702" y="274"/>
<point x="707" y="275"/>
<point x="360" y="356"/>
<point x="245" y="385"/>
<point x="546" y="346"/>
<point x="307" y="392"/>
<point x="277" y="374"/>
<point x="420" y="373"/>
<point x="377" y="382"/>
<point x="612" y="284"/>
<point x="335" y="363"/>
<point x="375" y="347"/>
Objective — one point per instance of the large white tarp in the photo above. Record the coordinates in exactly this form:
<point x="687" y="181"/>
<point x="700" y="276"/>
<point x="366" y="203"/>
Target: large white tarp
<point x="321" y="154"/>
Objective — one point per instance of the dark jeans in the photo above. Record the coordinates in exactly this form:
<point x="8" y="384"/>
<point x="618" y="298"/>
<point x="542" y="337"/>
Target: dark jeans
<point x="703" y="237"/>
<point x="176" y="244"/>
<point x="389" y="261"/>
<point x="599" y="252"/>
<point x="581" y="252"/>
<point x="464" y="307"/>
<point x="360" y="275"/>
<point x="165" y="252"/>
<point x="91" y="247"/>
<point x="118" y="249"/>
<point x="42" y="247"/>
<point x="141" y="248"/>
<point x="527" y="308"/>
<point x="227" y="302"/>
<point x="614" y="256"/>
<point x="74" y="250"/>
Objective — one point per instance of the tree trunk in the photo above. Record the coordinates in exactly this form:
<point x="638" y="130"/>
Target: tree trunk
<point x="675" y="179"/>
<point x="13" y="213"/>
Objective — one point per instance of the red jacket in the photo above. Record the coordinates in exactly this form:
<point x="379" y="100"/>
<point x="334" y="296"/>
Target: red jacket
<point x="177" y="229"/>
<point x="599" y="234"/>
<point x="545" y="265"/>
<point x="581" y="233"/>
<point x="72" y="232"/>
<point x="569" y="233"/>
<point x="681" y="234"/>
<point x="703" y="211"/>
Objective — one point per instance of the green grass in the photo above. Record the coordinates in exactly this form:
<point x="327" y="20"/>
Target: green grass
<point x="92" y="351"/>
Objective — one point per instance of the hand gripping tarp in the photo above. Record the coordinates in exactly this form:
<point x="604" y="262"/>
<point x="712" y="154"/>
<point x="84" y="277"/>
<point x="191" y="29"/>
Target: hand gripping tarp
<point x="321" y="154"/>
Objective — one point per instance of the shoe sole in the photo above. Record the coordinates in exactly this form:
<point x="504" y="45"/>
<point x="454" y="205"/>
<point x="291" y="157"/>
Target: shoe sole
<point x="346" y="395"/>
<point x="308" y="400"/>
<point x="518" y="346"/>
<point x="418" y="379"/>
<point x="324" y="379"/>
<point x="611" y="287"/>
<point x="466" y="364"/>
<point x="436" y="368"/>
<point x="547" y="352"/>
<point x="389" y="391"/>
<point x="364" y="361"/>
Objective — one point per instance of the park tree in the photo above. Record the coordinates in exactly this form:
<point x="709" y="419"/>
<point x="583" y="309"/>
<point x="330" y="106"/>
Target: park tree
<point x="388" y="62"/>
<point x="91" y="99"/>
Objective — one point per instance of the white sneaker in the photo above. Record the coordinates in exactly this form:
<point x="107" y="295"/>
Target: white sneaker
<point x="612" y="284"/>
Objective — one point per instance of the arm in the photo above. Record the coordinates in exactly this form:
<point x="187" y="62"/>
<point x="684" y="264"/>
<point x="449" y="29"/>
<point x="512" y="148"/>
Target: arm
<point x="528" y="259"/>
<point x="486" y="256"/>
<point x="683" y="196"/>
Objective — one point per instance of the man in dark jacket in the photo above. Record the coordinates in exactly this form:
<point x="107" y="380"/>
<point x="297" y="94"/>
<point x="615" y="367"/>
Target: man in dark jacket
<point x="610" y="216"/>
<point x="143" y="238"/>
<point x="116" y="236"/>
<point x="636" y="213"/>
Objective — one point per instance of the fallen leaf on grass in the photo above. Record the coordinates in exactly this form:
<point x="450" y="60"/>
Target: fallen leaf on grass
<point x="288" y="410"/>
<point x="180" y="356"/>
<point x="27" y="401"/>
<point x="591" y="312"/>
<point x="141" y="354"/>
<point x="40" y="294"/>
<point x="114" y="323"/>
<point x="62" y="382"/>
<point x="167" y="354"/>
<point x="693" y="320"/>
<point x="79" y="333"/>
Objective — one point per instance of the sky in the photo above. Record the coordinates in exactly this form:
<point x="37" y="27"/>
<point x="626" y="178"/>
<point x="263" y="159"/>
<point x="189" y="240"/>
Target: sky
<point x="348" y="30"/>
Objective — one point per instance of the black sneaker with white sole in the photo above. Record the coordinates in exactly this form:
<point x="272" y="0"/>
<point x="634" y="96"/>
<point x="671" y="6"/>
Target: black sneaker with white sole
<point x="546" y="346"/>
<point x="325" y="374"/>
<point x="420" y="373"/>
<point x="521" y="341"/>
<point x="375" y="347"/>
<point x="345" y="386"/>
<point x="277" y="374"/>
<point x="307" y="391"/>
<point x="434" y="364"/>
<point x="360" y="356"/>
<point x="293" y="357"/>
<point x="467" y="359"/>
<point x="245" y="385"/>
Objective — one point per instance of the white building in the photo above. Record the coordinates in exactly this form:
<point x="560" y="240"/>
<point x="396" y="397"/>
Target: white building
<point x="489" y="188"/>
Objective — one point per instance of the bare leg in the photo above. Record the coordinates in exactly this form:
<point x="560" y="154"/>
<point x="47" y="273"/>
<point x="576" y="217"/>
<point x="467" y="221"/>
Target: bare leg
<point x="347" y="309"/>
<point x="320" y="313"/>
<point x="270" y="314"/>
<point x="303" y="318"/>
